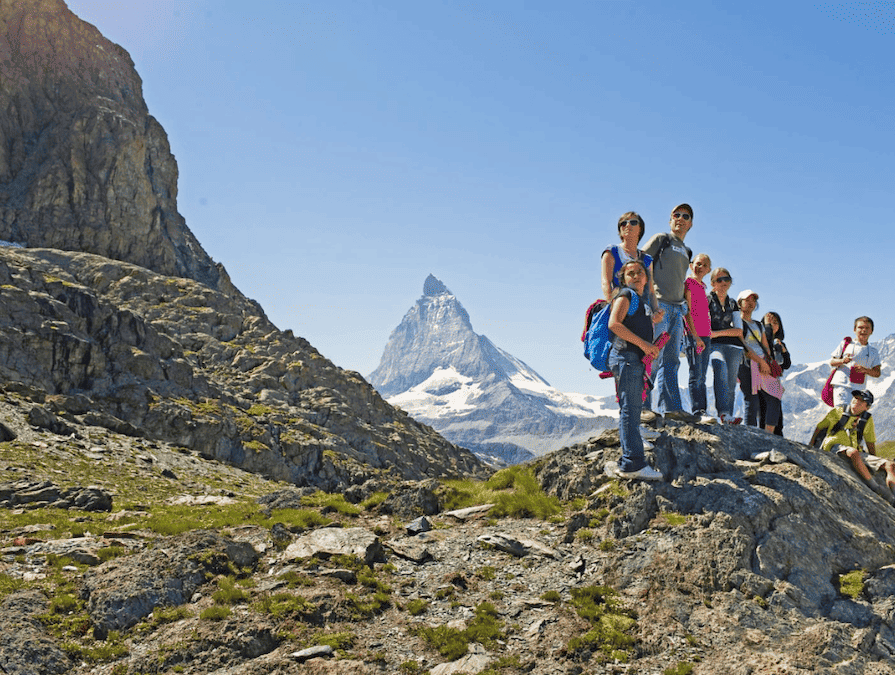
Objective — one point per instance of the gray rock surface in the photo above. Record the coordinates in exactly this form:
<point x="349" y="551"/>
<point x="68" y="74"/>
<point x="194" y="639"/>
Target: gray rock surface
<point x="733" y="565"/>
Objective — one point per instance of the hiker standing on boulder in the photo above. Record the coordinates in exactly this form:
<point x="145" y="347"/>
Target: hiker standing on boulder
<point x="755" y="376"/>
<point x="773" y="330"/>
<point x="727" y="347"/>
<point x="854" y="363"/>
<point x="633" y="341"/>
<point x="843" y="429"/>
<point x="630" y="231"/>
<point x="671" y="260"/>
<point x="699" y="329"/>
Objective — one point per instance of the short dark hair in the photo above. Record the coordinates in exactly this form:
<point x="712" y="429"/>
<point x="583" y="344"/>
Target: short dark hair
<point x="630" y="215"/>
<point x="864" y="318"/>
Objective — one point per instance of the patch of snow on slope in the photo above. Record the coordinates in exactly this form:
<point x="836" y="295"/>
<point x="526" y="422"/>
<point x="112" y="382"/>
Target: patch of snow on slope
<point x="445" y="391"/>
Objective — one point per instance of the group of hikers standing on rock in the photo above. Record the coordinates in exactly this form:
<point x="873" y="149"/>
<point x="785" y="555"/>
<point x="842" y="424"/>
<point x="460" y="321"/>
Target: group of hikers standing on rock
<point x="657" y="303"/>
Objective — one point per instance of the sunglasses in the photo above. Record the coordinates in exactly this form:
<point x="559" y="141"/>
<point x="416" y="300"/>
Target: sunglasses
<point x="629" y="222"/>
<point x="721" y="280"/>
<point x="685" y="216"/>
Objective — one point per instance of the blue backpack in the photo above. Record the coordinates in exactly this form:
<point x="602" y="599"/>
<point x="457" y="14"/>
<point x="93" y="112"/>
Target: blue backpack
<point x="599" y="339"/>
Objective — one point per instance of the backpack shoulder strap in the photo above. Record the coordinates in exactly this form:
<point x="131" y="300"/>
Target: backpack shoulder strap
<point x="862" y="422"/>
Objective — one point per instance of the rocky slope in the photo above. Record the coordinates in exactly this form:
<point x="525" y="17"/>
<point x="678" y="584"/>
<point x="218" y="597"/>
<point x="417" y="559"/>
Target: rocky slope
<point x="167" y="358"/>
<point x="474" y="393"/>
<point x="120" y="555"/>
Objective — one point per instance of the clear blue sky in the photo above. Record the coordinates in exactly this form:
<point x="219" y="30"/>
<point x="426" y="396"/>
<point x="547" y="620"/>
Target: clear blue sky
<point x="332" y="154"/>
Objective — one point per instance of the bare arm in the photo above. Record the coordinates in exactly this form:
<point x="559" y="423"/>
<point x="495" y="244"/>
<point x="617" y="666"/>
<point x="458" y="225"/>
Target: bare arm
<point x="606" y="265"/>
<point x="616" y="317"/>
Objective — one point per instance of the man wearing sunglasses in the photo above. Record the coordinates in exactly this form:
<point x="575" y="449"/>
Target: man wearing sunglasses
<point x="671" y="260"/>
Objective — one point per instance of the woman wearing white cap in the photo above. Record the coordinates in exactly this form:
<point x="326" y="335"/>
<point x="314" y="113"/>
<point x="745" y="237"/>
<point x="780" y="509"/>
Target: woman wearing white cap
<point x="756" y="381"/>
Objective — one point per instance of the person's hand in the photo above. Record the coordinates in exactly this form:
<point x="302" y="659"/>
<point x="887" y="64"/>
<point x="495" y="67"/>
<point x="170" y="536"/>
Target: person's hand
<point x="650" y="349"/>
<point x="700" y="345"/>
<point x="658" y="315"/>
<point x="763" y="367"/>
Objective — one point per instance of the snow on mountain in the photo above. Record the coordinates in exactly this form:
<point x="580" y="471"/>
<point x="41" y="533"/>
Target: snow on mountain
<point x="475" y="394"/>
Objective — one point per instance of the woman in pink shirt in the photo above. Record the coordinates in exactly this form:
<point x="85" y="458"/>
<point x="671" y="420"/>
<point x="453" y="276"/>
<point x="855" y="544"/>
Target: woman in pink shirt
<point x="699" y="331"/>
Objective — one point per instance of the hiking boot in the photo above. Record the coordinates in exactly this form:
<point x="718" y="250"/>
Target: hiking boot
<point x="648" y="417"/>
<point x="646" y="473"/>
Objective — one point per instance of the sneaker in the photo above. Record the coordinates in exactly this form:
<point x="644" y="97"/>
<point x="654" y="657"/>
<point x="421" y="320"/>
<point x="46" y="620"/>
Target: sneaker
<point x="647" y="445"/>
<point x="707" y="419"/>
<point x="646" y="473"/>
<point x="736" y="420"/>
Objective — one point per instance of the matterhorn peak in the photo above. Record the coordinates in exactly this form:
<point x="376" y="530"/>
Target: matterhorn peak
<point x="433" y="287"/>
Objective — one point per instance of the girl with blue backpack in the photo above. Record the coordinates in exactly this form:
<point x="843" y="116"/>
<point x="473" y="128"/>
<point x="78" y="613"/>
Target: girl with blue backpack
<point x="633" y="340"/>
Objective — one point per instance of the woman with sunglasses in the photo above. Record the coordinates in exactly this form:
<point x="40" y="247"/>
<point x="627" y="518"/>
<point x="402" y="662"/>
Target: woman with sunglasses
<point x="726" y="347"/>
<point x="630" y="231"/>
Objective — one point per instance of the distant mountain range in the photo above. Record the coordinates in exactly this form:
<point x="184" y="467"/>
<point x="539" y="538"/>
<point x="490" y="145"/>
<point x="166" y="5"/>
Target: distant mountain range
<point x="437" y="369"/>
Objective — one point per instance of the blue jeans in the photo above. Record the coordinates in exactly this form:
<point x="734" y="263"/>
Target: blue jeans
<point x="668" y="361"/>
<point x="725" y="360"/>
<point x="628" y="369"/>
<point x="699" y="365"/>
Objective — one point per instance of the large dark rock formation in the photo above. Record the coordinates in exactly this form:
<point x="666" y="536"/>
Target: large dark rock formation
<point x="83" y="165"/>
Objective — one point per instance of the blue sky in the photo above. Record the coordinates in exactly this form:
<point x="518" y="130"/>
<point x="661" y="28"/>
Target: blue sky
<point x="333" y="154"/>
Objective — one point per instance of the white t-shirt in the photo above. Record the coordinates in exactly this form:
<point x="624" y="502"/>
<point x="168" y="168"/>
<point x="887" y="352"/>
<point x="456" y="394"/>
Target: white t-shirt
<point x="867" y="356"/>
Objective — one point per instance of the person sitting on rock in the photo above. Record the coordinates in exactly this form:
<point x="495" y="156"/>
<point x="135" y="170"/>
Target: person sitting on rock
<point x="842" y="431"/>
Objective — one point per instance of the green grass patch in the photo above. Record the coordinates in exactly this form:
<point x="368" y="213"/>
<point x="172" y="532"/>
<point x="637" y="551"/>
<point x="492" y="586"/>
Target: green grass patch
<point x="285" y="604"/>
<point x="452" y="643"/>
<point x="373" y="500"/>
<point x="682" y="668"/>
<point x="229" y="593"/>
<point x="416" y="607"/>
<point x="341" y="641"/>
<point x="331" y="502"/>
<point x="215" y="613"/>
<point x="612" y="625"/>
<point x="852" y="583"/>
<point x="673" y="518"/>
<point x="514" y="491"/>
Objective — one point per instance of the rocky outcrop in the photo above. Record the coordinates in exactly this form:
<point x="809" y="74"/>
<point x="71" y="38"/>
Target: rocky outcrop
<point x="98" y="342"/>
<point x="83" y="165"/>
<point x="474" y="393"/>
<point x="757" y="555"/>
